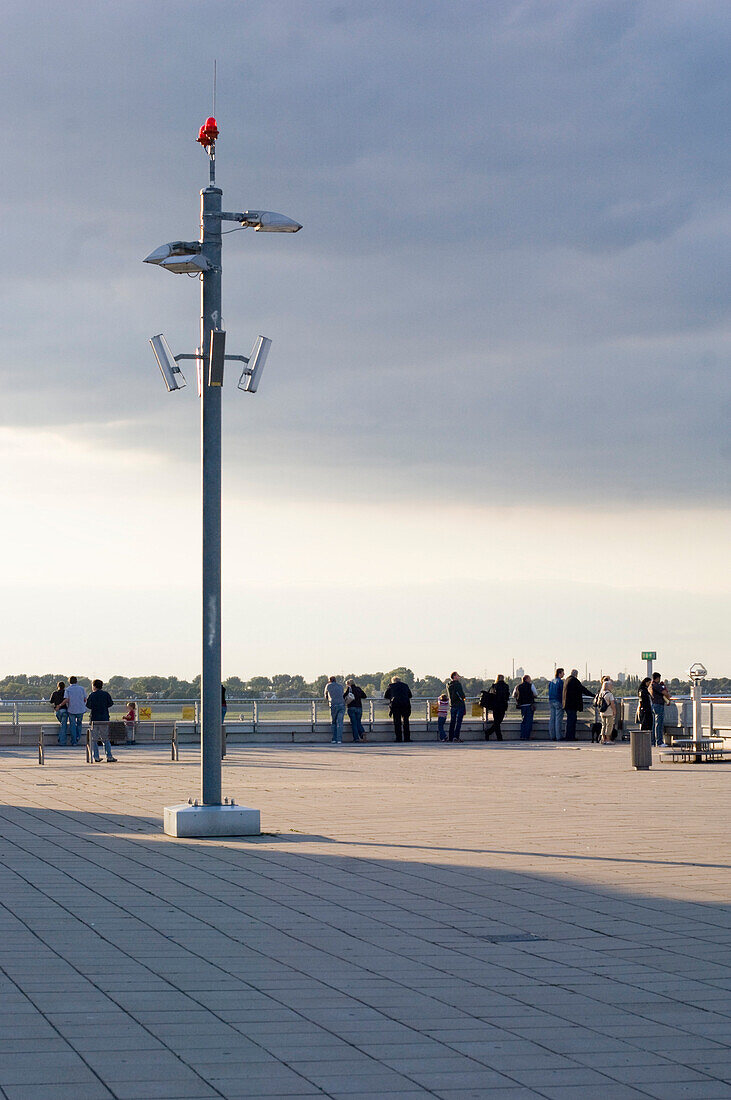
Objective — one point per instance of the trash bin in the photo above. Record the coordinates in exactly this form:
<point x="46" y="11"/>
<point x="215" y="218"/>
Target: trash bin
<point x="640" y="749"/>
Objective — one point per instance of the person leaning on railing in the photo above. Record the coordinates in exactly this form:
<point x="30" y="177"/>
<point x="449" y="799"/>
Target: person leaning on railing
<point x="525" y="696"/>
<point x="573" y="701"/>
<point x="643" y="715"/>
<point x="354" y="696"/>
<point x="61" y="710"/>
<point x="659" y="696"/>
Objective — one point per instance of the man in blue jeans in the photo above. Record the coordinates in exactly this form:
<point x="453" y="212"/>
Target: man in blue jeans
<point x="76" y="702"/>
<point x="336" y="698"/>
<point x="659" y="696"/>
<point x="457" y="706"/>
<point x="555" y="700"/>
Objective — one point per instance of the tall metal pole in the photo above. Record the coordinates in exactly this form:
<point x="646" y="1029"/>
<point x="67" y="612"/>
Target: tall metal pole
<point x="211" y="502"/>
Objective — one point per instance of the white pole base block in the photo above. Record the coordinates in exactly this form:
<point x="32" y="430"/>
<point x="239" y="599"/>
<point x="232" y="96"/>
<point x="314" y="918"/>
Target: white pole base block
<point x="185" y="820"/>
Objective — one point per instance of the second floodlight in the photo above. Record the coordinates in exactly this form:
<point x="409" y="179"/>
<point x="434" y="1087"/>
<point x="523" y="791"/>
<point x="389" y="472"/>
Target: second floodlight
<point x="169" y="369"/>
<point x="251" y="375"/>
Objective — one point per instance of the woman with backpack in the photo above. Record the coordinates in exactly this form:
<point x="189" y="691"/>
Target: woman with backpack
<point x="607" y="707"/>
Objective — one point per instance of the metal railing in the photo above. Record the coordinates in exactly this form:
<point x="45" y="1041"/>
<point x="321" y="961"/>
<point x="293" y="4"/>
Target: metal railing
<point x="313" y="713"/>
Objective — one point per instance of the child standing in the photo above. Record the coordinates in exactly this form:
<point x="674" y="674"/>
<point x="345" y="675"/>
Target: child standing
<point x="442" y="712"/>
<point x="129" y="719"/>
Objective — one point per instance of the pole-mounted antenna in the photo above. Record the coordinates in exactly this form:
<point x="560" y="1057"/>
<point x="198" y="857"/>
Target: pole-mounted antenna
<point x="214" y="87"/>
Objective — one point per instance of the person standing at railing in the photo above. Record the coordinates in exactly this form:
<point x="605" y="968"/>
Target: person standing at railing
<point x="399" y="696"/>
<point x="61" y="710"/>
<point x="76" y="702"/>
<point x="354" y="697"/>
<point x="442" y="712"/>
<point x="643" y="715"/>
<point x="573" y="701"/>
<point x="659" y="695"/>
<point x="457" y="706"/>
<point x="525" y="696"/>
<point x="555" y="701"/>
<point x="606" y="704"/>
<point x="497" y="698"/>
<point x="336" y="698"/>
<point x="130" y="720"/>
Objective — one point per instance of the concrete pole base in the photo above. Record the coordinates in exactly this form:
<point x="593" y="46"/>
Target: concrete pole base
<point x="185" y="820"/>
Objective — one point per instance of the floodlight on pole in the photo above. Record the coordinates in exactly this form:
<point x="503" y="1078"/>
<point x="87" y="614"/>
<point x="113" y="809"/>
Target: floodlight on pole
<point x="202" y="258"/>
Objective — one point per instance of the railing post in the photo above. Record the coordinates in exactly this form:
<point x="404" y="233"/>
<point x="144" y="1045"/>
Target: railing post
<point x="313" y="715"/>
<point x="41" y="753"/>
<point x="254" y="714"/>
<point x="710" y="720"/>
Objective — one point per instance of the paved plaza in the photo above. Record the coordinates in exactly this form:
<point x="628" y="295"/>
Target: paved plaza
<point x="454" y="921"/>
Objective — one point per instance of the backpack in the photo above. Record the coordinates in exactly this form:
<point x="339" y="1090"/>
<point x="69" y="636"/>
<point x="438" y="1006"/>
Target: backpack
<point x="600" y="702"/>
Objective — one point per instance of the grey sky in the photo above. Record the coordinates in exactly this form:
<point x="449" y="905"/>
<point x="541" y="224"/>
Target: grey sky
<point x="516" y="218"/>
<point x="511" y="287"/>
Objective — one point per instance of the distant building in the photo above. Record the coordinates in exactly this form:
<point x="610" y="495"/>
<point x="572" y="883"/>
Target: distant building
<point x="621" y="677"/>
<point x="520" y="673"/>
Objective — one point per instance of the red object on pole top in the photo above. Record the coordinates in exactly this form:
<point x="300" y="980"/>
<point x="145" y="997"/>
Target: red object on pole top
<point x="208" y="132"/>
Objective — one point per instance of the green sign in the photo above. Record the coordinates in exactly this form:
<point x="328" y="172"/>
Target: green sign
<point x="650" y="655"/>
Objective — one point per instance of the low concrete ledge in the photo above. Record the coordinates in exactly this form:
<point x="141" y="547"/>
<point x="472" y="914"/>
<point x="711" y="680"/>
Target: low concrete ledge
<point x="184" y="820"/>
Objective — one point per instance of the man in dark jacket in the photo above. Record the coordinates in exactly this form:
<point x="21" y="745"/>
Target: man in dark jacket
<point x="399" y="695"/>
<point x="496" y="699"/>
<point x="98" y="703"/>
<point x="573" y="701"/>
<point x="457" y="706"/>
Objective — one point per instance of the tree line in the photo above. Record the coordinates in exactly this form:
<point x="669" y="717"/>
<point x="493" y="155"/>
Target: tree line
<point x="284" y="686"/>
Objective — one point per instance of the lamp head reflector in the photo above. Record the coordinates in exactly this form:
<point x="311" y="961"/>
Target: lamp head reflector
<point x="267" y="221"/>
